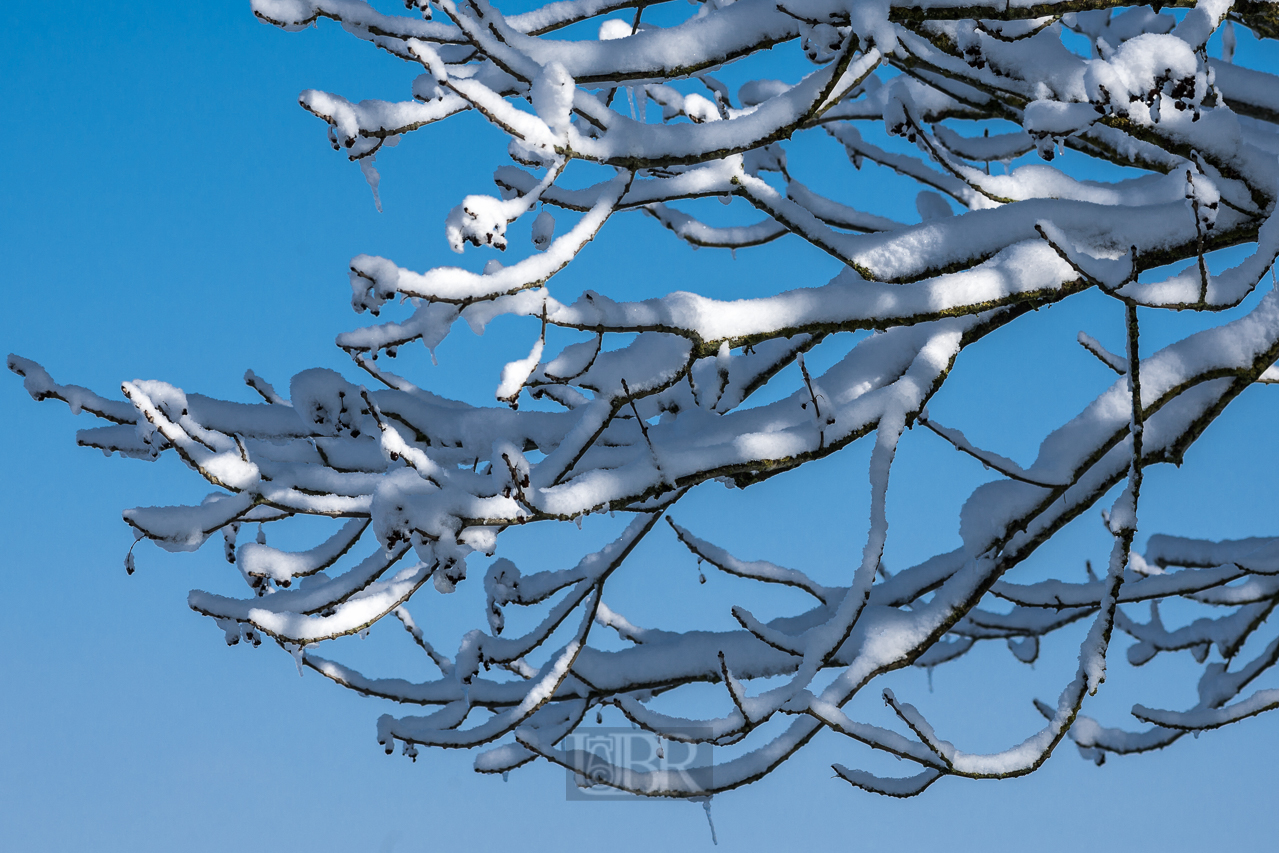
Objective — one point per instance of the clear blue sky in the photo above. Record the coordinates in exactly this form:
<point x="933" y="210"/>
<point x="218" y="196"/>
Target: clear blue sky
<point x="168" y="211"/>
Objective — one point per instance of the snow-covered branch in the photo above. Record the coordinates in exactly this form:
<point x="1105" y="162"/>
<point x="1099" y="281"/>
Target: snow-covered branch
<point x="627" y="406"/>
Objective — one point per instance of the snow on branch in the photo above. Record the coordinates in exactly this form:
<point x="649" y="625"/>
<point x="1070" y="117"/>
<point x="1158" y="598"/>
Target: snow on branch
<point x="1012" y="112"/>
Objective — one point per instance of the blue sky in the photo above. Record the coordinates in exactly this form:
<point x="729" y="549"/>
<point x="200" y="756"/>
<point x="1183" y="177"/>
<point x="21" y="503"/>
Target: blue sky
<point x="169" y="212"/>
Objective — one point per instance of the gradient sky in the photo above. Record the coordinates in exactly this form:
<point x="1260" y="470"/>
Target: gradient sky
<point x="168" y="211"/>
